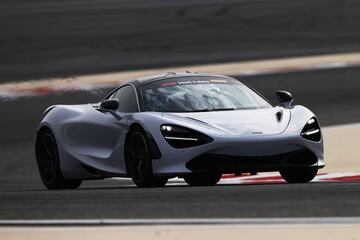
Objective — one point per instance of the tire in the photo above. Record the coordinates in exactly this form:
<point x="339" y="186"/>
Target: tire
<point x="298" y="174"/>
<point x="72" y="184"/>
<point x="47" y="158"/>
<point x="139" y="162"/>
<point x="203" y="179"/>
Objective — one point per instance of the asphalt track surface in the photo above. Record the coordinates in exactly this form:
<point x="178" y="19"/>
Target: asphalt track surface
<point x="40" y="38"/>
<point x="23" y="196"/>
<point x="62" y="38"/>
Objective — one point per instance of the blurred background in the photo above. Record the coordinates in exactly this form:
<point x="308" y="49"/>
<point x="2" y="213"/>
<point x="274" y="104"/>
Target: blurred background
<point x="41" y="39"/>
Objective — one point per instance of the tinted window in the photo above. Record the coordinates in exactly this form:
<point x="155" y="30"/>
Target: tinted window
<point x="193" y="94"/>
<point x="127" y="99"/>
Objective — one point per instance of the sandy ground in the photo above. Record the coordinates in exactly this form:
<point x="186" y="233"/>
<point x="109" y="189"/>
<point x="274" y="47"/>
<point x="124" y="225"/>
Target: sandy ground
<point x="342" y="148"/>
<point x="209" y="232"/>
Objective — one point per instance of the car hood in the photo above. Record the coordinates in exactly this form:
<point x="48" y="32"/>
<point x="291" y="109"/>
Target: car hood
<point x="267" y="121"/>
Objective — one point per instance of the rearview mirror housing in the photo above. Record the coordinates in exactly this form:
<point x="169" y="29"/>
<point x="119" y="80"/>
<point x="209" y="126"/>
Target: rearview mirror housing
<point x="110" y="104"/>
<point x="285" y="98"/>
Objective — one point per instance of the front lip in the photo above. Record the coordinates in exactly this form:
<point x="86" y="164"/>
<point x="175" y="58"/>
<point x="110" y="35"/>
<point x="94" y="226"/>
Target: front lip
<point x="213" y="162"/>
<point x="174" y="160"/>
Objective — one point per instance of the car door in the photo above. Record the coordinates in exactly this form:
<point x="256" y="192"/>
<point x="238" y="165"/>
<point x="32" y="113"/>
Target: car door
<point x="105" y="132"/>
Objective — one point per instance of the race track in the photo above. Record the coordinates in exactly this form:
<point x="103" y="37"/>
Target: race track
<point x="23" y="196"/>
<point x="39" y="39"/>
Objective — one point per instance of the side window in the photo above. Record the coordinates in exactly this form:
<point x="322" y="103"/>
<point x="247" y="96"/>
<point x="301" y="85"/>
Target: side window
<point x="127" y="99"/>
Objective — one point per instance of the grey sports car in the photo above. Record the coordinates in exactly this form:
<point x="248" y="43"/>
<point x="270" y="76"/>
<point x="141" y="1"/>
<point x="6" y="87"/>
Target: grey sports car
<point x="187" y="125"/>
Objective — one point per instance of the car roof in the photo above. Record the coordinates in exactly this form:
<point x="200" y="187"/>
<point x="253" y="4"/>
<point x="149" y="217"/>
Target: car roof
<point x="169" y="75"/>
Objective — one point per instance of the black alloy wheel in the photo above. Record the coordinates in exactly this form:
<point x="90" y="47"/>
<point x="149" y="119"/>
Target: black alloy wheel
<point x="47" y="158"/>
<point x="202" y="179"/>
<point x="138" y="161"/>
<point x="298" y="174"/>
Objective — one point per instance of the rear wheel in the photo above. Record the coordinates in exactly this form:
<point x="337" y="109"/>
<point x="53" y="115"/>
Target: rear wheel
<point x="138" y="161"/>
<point x="298" y="174"/>
<point x="202" y="179"/>
<point x="47" y="158"/>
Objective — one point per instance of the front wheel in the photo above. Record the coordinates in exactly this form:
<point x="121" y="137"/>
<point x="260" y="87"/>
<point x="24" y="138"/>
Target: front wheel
<point x="138" y="161"/>
<point x="202" y="179"/>
<point x="47" y="158"/>
<point x="298" y="174"/>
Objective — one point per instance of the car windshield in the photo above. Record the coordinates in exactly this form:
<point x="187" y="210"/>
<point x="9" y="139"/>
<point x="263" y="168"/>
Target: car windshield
<point x="196" y="94"/>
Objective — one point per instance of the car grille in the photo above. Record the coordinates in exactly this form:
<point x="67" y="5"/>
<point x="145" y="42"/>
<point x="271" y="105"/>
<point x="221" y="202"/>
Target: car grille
<point x="210" y="162"/>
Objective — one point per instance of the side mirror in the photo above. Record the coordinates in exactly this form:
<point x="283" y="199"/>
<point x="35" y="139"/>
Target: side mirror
<point x="285" y="98"/>
<point x="110" y="104"/>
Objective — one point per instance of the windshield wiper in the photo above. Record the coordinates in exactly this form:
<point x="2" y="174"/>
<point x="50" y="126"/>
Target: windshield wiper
<point x="221" y="109"/>
<point x="213" y="109"/>
<point x="202" y="110"/>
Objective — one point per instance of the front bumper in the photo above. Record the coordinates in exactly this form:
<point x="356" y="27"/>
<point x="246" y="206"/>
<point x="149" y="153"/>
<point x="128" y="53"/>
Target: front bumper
<point x="232" y="154"/>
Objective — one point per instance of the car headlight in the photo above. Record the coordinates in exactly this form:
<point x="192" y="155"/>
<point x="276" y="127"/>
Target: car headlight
<point x="181" y="137"/>
<point x="311" y="131"/>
